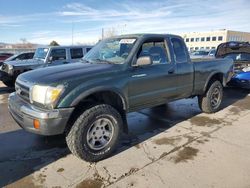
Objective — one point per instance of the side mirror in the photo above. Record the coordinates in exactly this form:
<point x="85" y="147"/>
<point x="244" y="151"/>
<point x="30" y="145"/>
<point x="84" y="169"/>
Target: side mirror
<point x="50" y="59"/>
<point x="142" y="61"/>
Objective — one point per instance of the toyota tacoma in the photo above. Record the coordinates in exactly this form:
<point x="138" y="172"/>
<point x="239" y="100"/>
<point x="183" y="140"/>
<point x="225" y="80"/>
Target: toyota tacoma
<point x="88" y="101"/>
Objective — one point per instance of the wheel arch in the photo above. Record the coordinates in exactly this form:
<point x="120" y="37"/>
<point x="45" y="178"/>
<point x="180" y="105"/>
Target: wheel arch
<point x="105" y="95"/>
<point x="215" y="76"/>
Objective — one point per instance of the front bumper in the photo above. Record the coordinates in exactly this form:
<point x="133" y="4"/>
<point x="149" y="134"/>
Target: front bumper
<point x="4" y="76"/>
<point x="52" y="122"/>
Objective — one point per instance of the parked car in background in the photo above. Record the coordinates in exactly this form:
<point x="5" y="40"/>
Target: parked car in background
<point x="21" y="56"/>
<point x="43" y="57"/>
<point x="4" y="56"/>
<point x="240" y="53"/>
<point x="211" y="53"/>
<point x="199" y="54"/>
<point x="88" y="101"/>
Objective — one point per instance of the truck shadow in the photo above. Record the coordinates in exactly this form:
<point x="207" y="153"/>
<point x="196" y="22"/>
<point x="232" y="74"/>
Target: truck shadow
<point x="156" y="120"/>
<point x="5" y="90"/>
<point x="22" y="153"/>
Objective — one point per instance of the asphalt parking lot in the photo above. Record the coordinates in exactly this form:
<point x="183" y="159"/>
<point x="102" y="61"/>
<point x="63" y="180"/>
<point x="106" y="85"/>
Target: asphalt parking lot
<point x="169" y="146"/>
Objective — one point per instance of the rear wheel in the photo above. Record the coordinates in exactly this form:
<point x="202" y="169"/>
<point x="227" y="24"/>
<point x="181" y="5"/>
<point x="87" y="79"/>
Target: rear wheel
<point x="95" y="134"/>
<point x="210" y="102"/>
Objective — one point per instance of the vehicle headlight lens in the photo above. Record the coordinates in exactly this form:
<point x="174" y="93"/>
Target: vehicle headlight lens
<point x="10" y="67"/>
<point x="45" y="95"/>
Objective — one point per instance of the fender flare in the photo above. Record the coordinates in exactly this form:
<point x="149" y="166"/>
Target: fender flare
<point x="100" y="89"/>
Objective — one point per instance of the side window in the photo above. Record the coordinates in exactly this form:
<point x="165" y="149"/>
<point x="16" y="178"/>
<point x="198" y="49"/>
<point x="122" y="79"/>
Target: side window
<point x="58" y="54"/>
<point x="76" y="53"/>
<point x="88" y="49"/>
<point x="179" y="50"/>
<point x="156" y="49"/>
<point x="30" y="56"/>
<point x="21" y="57"/>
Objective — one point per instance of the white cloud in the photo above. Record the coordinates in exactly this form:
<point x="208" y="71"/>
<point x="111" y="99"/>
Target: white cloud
<point x="172" y="16"/>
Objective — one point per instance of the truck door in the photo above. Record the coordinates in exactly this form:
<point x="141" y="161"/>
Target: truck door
<point x="184" y="68"/>
<point x="152" y="84"/>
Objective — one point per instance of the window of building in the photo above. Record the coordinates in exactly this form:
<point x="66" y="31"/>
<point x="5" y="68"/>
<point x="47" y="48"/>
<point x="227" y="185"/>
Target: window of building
<point x="208" y="39"/>
<point x="202" y="39"/>
<point x="76" y="53"/>
<point x="191" y="49"/>
<point x="213" y="38"/>
<point x="220" y="38"/>
<point x="196" y="48"/>
<point x="207" y="48"/>
<point x="179" y="50"/>
<point x="197" y="39"/>
<point x="213" y="48"/>
<point x="187" y="39"/>
<point x="192" y="39"/>
<point x="202" y="48"/>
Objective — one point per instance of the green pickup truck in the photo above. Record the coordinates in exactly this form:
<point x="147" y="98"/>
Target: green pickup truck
<point x="88" y="101"/>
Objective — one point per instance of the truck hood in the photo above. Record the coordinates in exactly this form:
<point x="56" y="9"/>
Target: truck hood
<point x="232" y="47"/>
<point x="66" y="73"/>
<point x="19" y="63"/>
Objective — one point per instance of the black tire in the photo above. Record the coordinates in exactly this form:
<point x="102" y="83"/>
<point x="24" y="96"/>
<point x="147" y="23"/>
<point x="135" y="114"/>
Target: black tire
<point x="9" y="83"/>
<point x="76" y="138"/>
<point x="206" y="101"/>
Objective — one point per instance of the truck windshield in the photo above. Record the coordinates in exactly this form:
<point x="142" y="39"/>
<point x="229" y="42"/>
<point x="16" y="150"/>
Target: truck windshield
<point x="41" y="53"/>
<point x="114" y="50"/>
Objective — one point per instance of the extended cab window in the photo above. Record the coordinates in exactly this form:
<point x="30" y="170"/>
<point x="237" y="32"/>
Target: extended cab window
<point x="58" y="54"/>
<point x="179" y="50"/>
<point x="76" y="53"/>
<point x="156" y="49"/>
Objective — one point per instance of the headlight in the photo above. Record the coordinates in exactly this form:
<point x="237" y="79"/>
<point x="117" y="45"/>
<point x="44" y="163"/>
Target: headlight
<point x="10" y="67"/>
<point x="45" y="95"/>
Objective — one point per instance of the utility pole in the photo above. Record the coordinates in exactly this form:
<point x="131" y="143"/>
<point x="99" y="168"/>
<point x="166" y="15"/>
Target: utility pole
<point x="72" y="32"/>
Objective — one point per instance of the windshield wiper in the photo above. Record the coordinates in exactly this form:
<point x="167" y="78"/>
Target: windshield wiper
<point x="84" y="61"/>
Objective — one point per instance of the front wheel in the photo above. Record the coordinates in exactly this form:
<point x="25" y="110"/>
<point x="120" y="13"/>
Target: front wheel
<point x="95" y="133"/>
<point x="210" y="102"/>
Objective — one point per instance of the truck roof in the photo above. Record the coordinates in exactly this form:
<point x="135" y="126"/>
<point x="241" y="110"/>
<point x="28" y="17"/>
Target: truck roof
<point x="67" y="46"/>
<point x="137" y="35"/>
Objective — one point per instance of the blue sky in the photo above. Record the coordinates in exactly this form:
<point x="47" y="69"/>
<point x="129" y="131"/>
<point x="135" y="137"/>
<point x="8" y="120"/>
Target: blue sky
<point x="47" y="20"/>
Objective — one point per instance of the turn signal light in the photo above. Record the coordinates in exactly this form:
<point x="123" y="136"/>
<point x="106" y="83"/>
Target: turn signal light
<point x="36" y="124"/>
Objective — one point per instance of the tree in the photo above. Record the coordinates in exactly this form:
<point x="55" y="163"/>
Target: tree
<point x="24" y="40"/>
<point x="54" y="43"/>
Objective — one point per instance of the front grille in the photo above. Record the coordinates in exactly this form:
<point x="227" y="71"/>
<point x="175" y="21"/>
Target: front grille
<point x="22" y="90"/>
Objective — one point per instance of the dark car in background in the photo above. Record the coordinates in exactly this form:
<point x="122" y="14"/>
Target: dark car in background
<point x="21" y="56"/>
<point x="4" y="56"/>
<point x="240" y="53"/>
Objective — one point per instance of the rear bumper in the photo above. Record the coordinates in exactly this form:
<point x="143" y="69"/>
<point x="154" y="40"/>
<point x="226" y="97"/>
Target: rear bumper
<point x="240" y="83"/>
<point x="52" y="122"/>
